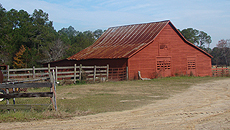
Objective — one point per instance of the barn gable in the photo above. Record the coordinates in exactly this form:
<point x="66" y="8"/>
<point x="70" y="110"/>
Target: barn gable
<point x="169" y="54"/>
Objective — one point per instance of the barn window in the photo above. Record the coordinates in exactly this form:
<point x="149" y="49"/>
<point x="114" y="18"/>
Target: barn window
<point x="166" y="65"/>
<point x="191" y="62"/>
<point x="163" y="46"/>
<point x="163" y="49"/>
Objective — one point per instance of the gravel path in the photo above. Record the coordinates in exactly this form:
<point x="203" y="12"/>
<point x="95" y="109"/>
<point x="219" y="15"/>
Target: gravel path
<point x="204" y="106"/>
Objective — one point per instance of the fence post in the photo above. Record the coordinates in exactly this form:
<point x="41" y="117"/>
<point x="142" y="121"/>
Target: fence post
<point x="33" y="72"/>
<point x="75" y="67"/>
<point x="49" y="68"/>
<point x="7" y="100"/>
<point x="8" y="73"/>
<point x="222" y="72"/>
<point x="54" y="90"/>
<point x="56" y="73"/>
<point x="80" y="68"/>
<point x="227" y="71"/>
<point x="107" y="74"/>
<point x="216" y="72"/>
<point x="94" y="73"/>
<point x="51" y="88"/>
<point x="127" y="73"/>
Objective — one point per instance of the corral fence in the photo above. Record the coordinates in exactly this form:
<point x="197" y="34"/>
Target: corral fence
<point x="118" y="73"/>
<point x="67" y="73"/>
<point x="29" y="99"/>
<point x="220" y="71"/>
<point x="71" y="73"/>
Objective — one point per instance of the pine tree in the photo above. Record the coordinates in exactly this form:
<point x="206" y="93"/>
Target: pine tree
<point x="18" y="61"/>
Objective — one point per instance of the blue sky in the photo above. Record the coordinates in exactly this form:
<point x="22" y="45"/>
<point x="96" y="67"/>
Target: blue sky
<point x="211" y="16"/>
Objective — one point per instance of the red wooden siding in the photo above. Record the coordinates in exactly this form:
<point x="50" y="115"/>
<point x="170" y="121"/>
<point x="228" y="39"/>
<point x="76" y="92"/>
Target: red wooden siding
<point x="168" y="43"/>
<point x="143" y="61"/>
<point x="180" y="51"/>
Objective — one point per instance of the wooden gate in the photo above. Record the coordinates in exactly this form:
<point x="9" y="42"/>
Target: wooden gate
<point x="8" y="90"/>
<point x="118" y="74"/>
<point x="163" y="67"/>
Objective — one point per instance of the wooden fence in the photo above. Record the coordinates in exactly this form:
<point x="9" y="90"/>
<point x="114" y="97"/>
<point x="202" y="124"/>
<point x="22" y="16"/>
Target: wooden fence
<point x="220" y="71"/>
<point x="73" y="73"/>
<point x="7" y="94"/>
<point x="118" y="73"/>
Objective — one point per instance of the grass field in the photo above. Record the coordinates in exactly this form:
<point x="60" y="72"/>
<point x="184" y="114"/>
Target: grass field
<point x="85" y="99"/>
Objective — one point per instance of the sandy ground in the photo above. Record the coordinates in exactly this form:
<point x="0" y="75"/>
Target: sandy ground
<point x="204" y="106"/>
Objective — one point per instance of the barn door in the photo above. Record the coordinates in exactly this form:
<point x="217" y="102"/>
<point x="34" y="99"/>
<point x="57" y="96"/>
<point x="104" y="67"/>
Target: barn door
<point x="164" y="66"/>
<point x="191" y="66"/>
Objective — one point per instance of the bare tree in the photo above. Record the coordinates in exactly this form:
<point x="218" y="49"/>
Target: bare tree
<point x="54" y="52"/>
<point x="224" y="45"/>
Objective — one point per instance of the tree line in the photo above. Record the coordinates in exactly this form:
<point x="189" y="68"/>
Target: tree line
<point x="28" y="40"/>
<point x="220" y="53"/>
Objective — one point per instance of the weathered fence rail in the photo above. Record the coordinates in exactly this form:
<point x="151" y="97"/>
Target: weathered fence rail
<point x="220" y="71"/>
<point x="26" y="95"/>
<point x="6" y="94"/>
<point x="25" y="85"/>
<point x="74" y="73"/>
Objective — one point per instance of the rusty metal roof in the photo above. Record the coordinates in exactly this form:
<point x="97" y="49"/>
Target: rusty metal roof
<point x="125" y="41"/>
<point x="121" y="41"/>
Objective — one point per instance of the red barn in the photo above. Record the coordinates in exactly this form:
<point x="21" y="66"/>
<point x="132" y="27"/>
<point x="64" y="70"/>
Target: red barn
<point x="154" y="49"/>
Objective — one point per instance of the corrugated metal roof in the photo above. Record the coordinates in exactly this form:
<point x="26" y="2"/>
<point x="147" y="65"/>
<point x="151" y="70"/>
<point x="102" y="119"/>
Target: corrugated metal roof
<point x="121" y="41"/>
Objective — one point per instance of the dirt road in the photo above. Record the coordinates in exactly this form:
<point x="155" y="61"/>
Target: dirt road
<point x="204" y="106"/>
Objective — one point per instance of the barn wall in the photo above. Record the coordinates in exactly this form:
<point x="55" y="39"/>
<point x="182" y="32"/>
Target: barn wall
<point x="180" y="51"/>
<point x="143" y="61"/>
<point x="204" y="66"/>
<point x="173" y="47"/>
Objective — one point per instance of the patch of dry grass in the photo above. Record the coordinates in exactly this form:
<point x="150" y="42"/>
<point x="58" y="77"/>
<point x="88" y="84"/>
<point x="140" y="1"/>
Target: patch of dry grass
<point x="85" y="99"/>
<point x="123" y="95"/>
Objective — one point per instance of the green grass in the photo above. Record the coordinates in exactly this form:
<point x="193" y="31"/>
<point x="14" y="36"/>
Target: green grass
<point x="85" y="99"/>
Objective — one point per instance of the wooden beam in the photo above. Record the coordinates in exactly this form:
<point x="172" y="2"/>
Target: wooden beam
<point x="26" y="95"/>
<point x="94" y="73"/>
<point x="24" y="106"/>
<point x="26" y="85"/>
